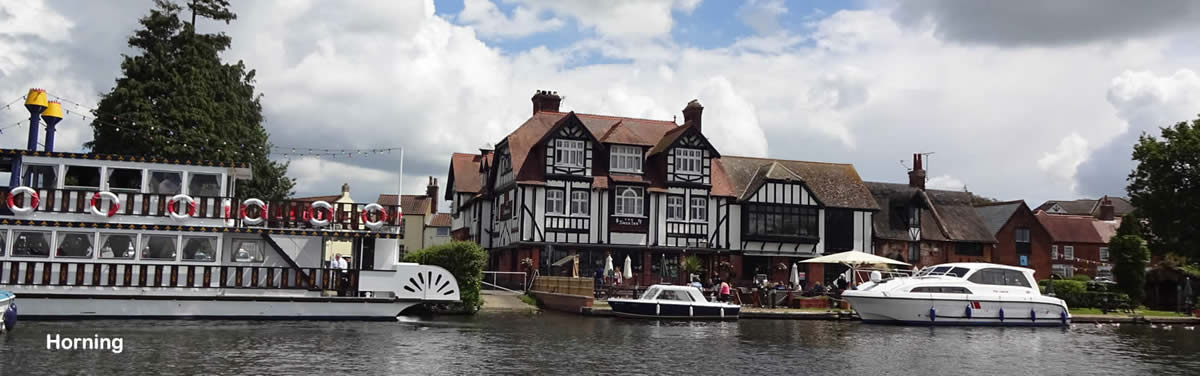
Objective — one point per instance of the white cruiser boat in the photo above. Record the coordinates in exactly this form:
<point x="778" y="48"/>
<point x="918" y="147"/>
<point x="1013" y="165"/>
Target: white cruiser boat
<point x="958" y="294"/>
<point x="673" y="302"/>
<point x="115" y="236"/>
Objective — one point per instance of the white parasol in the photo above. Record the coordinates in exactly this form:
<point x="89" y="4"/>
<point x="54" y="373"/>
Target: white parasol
<point x="795" y="276"/>
<point x="854" y="258"/>
<point x="628" y="267"/>
<point x="608" y="266"/>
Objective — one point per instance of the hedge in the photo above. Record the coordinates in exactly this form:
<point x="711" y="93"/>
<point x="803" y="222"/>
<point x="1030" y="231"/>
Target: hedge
<point x="464" y="260"/>
<point x="1079" y="294"/>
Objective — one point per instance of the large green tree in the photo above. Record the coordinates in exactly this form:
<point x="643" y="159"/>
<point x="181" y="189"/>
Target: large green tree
<point x="1129" y="255"/>
<point x="178" y="100"/>
<point x="1165" y="188"/>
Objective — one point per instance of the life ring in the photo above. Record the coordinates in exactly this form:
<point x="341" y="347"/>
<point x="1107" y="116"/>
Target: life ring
<point x="191" y="207"/>
<point x="383" y="216"/>
<point x="312" y="215"/>
<point x="19" y="209"/>
<point x="113" y="207"/>
<point x="262" y="213"/>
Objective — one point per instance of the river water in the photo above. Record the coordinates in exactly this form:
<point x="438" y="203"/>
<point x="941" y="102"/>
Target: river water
<point x="552" y="343"/>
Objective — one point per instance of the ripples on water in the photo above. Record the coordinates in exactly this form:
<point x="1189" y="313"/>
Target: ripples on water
<point x="563" y="344"/>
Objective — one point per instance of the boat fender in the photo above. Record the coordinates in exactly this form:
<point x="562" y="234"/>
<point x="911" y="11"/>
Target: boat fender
<point x="1002" y="315"/>
<point x="23" y="209"/>
<point x="191" y="206"/>
<point x="1063" y="316"/>
<point x="312" y="213"/>
<point x="261" y="213"/>
<point x="1032" y="315"/>
<point x="722" y="311"/>
<point x="968" y="312"/>
<point x="657" y="309"/>
<point x="115" y="203"/>
<point x="932" y="314"/>
<point x="374" y="207"/>
<point x="691" y="311"/>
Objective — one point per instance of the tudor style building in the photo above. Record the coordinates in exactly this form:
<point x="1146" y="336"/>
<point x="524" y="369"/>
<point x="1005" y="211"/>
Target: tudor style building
<point x="566" y="186"/>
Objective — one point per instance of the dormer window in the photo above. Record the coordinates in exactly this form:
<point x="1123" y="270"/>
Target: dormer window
<point x="913" y="217"/>
<point x="688" y="161"/>
<point x="625" y="159"/>
<point x="568" y="153"/>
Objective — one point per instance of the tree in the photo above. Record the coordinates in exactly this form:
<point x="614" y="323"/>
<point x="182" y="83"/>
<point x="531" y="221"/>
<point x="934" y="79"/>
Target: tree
<point x="1130" y="256"/>
<point x="1164" y="188"/>
<point x="177" y="100"/>
<point x="1130" y="225"/>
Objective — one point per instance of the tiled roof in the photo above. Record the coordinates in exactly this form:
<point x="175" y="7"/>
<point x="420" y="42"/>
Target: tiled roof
<point x="410" y="204"/>
<point x="1087" y="206"/>
<point x="945" y="215"/>
<point x="464" y="173"/>
<point x="1070" y="228"/>
<point x="833" y="184"/>
<point x="632" y="131"/>
<point x="995" y="215"/>
<point x="440" y="220"/>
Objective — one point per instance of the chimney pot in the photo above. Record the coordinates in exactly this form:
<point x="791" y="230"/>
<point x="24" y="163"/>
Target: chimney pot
<point x="544" y="100"/>
<point x="431" y="191"/>
<point x="916" y="177"/>
<point x="1107" y="211"/>
<point x="692" y="114"/>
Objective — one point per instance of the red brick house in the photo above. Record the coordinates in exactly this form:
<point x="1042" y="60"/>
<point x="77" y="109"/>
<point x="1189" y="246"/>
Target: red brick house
<point x="1021" y="240"/>
<point x="1077" y="246"/>
<point x="927" y="226"/>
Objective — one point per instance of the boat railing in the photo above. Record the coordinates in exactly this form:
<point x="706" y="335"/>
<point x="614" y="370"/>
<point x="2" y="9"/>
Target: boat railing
<point x="59" y="204"/>
<point x="506" y="281"/>
<point x="200" y="276"/>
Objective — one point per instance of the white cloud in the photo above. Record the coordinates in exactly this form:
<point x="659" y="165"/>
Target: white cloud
<point x="762" y="15"/>
<point x="617" y="19"/>
<point x="489" y="21"/>
<point x="1062" y="162"/>
<point x="945" y="182"/>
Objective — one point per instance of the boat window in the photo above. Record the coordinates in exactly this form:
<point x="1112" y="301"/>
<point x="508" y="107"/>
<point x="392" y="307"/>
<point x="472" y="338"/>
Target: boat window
<point x="117" y="245"/>
<point x="41" y="177"/>
<point x="3" y="241"/>
<point x="82" y="177"/>
<point x="1000" y="277"/>
<point x="675" y="295"/>
<point x="199" y="248"/>
<point x="159" y="247"/>
<point x="204" y="185"/>
<point x="247" y="251"/>
<point x="165" y="183"/>
<point x="941" y="270"/>
<point x="941" y="290"/>
<point x="31" y="244"/>
<point x="649" y="294"/>
<point x="74" y="244"/>
<point x="959" y="272"/>
<point x="124" y="179"/>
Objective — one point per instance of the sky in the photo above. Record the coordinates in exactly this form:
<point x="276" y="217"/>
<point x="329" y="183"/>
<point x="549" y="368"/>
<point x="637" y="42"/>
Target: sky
<point x="1015" y="100"/>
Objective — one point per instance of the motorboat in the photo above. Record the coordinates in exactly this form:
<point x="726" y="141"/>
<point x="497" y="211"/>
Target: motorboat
<point x="8" y="311"/>
<point x="958" y="294"/>
<point x="674" y="302"/>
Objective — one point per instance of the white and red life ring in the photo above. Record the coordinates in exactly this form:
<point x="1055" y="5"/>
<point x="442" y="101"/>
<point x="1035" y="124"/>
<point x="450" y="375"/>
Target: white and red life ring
<point x="262" y="212"/>
<point x="113" y="200"/>
<point x="312" y="213"/>
<point x="191" y="206"/>
<point x="377" y="224"/>
<point x="12" y="205"/>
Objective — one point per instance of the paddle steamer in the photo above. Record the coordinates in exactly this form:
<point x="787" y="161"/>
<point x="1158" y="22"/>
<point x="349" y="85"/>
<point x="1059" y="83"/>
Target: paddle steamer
<point x="111" y="236"/>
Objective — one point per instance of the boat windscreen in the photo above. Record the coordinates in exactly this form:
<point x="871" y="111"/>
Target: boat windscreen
<point x="649" y="294"/>
<point x="959" y="272"/>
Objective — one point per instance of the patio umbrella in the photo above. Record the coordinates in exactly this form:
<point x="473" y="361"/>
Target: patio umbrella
<point x="608" y="265"/>
<point x="628" y="267"/>
<point x="795" y="276"/>
<point x="575" y="267"/>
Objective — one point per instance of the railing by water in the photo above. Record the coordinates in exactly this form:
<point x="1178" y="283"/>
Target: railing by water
<point x="507" y="281"/>
<point x="57" y="273"/>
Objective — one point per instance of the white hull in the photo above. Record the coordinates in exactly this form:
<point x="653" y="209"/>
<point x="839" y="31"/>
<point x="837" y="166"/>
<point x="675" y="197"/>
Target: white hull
<point x="957" y="311"/>
<point x="190" y="307"/>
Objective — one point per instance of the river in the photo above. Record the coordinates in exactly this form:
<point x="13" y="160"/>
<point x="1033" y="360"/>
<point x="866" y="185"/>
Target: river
<point x="552" y="343"/>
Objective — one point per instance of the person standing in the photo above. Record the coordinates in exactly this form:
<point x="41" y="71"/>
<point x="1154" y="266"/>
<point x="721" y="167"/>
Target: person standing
<point x="724" y="291"/>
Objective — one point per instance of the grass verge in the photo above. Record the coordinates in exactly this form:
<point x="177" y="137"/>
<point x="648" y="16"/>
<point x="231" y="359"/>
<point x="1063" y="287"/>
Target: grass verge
<point x="529" y="300"/>
<point x="1141" y="312"/>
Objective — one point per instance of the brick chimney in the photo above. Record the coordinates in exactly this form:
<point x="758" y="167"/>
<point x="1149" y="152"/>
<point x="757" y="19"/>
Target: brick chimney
<point x="692" y="112"/>
<point x="345" y="188"/>
<point x="1106" y="209"/>
<point x="916" y="177"/>
<point x="545" y="100"/>
<point x="431" y="191"/>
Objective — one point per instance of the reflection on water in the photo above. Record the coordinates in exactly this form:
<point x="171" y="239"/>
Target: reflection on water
<point x="563" y="344"/>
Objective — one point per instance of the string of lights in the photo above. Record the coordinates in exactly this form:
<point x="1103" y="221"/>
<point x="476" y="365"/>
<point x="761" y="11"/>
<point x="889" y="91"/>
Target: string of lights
<point x="98" y="119"/>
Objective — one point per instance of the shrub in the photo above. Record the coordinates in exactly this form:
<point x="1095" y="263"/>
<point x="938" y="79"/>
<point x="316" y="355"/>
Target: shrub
<point x="1065" y="286"/>
<point x="1081" y="278"/>
<point x="1130" y="256"/>
<point x="464" y="260"/>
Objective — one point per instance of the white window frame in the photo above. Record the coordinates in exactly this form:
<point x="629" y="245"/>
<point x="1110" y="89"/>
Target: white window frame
<point x="1104" y="254"/>
<point x="579" y="202"/>
<point x="624" y="158"/>
<point x="1068" y="252"/>
<point x="1054" y="252"/>
<point x="630" y="201"/>
<point x="568" y="152"/>
<point x="103" y="236"/>
<point x="689" y="161"/>
<point x="66" y="168"/>
<point x="262" y="246"/>
<point x="216" y="244"/>
<point x="1068" y="270"/>
<point x="698" y="209"/>
<point x="675" y="208"/>
<point x="556" y="202"/>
